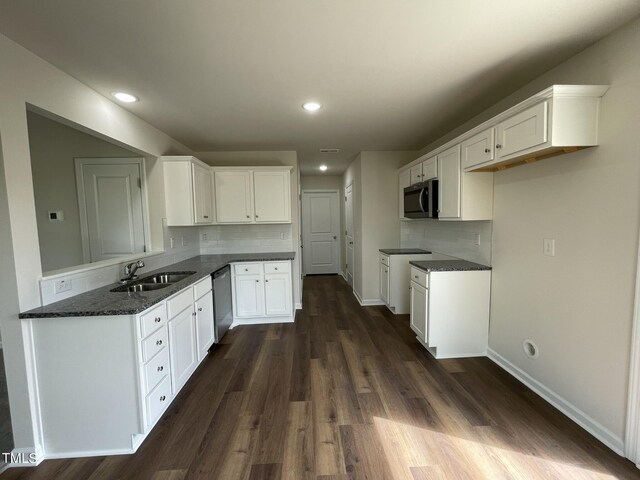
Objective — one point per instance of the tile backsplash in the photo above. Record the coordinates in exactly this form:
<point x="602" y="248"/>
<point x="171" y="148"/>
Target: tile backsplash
<point x="187" y="242"/>
<point x="245" y="238"/>
<point x="458" y="239"/>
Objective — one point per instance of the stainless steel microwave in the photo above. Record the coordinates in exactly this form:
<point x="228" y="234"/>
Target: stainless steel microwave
<point x="421" y="200"/>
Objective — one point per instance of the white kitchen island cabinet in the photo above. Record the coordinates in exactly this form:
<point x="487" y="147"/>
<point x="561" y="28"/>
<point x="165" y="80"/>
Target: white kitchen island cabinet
<point x="450" y="309"/>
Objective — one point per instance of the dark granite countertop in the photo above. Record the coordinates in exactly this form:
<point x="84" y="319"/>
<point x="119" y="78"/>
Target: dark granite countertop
<point x="448" y="265"/>
<point x="403" y="251"/>
<point x="102" y="301"/>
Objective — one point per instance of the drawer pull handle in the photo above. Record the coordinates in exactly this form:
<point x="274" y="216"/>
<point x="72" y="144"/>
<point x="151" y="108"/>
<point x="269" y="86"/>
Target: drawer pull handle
<point x="163" y="398"/>
<point x="159" y="342"/>
<point x="158" y="319"/>
<point x="160" y="368"/>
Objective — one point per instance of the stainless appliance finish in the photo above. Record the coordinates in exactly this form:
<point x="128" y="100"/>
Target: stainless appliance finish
<point x="222" y="302"/>
<point x="421" y="200"/>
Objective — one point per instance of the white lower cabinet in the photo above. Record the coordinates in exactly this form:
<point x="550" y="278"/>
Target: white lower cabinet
<point x="262" y="292"/>
<point x="384" y="282"/>
<point x="104" y="381"/>
<point x="450" y="311"/>
<point x="183" y="349"/>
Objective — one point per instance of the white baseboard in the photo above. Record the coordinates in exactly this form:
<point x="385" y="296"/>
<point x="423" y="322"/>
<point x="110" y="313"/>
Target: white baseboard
<point x="369" y="302"/>
<point x="298" y="306"/>
<point x="261" y="321"/>
<point x="91" y="453"/>
<point x="602" y="433"/>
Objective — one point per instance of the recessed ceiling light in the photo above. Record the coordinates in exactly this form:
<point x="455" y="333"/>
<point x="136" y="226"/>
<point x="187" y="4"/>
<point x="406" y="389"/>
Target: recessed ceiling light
<point x="311" y="106"/>
<point x="323" y="168"/>
<point x="125" y="97"/>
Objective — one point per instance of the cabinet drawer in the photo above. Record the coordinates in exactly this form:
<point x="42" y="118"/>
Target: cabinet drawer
<point x="179" y="302"/>
<point x="384" y="259"/>
<point x="202" y="288"/>
<point x="158" y="399"/>
<point x="153" y="344"/>
<point x="156" y="369"/>
<point x="420" y="277"/>
<point x="247" y="268"/>
<point x="276" y="267"/>
<point x="153" y="319"/>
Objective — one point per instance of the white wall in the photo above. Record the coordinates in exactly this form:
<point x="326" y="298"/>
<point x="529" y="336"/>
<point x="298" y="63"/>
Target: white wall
<point x="53" y="148"/>
<point x="264" y="158"/>
<point x="377" y="225"/>
<point x="27" y="79"/>
<point x="577" y="306"/>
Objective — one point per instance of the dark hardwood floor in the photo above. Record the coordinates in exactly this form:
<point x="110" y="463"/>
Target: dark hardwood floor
<point x="347" y="393"/>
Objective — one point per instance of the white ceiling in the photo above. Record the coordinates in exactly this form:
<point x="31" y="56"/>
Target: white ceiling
<point x="232" y="74"/>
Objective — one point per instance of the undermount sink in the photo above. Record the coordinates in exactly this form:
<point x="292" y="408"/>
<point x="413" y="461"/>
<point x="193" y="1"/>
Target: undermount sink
<point x="166" y="277"/>
<point x="153" y="282"/>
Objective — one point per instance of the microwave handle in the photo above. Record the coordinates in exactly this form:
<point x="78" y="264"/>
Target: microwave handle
<point x="420" y="197"/>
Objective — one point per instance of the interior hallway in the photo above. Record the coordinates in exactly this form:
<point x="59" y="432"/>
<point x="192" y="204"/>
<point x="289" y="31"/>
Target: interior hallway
<point x="347" y="393"/>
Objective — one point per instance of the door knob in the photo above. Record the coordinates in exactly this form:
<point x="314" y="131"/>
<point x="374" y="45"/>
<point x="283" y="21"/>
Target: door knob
<point x="334" y="237"/>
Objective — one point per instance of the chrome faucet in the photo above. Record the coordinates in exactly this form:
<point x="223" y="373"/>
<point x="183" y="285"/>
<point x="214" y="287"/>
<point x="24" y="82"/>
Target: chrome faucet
<point x="130" y="270"/>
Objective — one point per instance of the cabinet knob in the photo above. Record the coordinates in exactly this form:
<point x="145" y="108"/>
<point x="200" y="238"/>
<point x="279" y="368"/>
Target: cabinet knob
<point x="206" y="216"/>
<point x="256" y="216"/>
<point x="266" y="281"/>
<point x="257" y="281"/>
<point x="160" y="368"/>
<point x="248" y="216"/>
<point x="200" y="309"/>
<point x="415" y="276"/>
<point x="159" y="342"/>
<point x="193" y="314"/>
<point x="157" y="319"/>
<point x="275" y="268"/>
<point x="498" y="146"/>
<point x="163" y="398"/>
<point x="246" y="269"/>
<point x="487" y="150"/>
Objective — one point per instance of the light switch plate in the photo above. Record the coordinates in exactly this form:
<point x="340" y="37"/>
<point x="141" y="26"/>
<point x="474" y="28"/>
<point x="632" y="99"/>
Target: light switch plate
<point x="549" y="247"/>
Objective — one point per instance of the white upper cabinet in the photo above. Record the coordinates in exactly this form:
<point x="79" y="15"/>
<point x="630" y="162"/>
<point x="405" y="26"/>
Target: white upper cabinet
<point x="523" y="131"/>
<point x="449" y="184"/>
<point x="478" y="149"/>
<point x="187" y="186"/>
<point x="416" y="174"/>
<point x="430" y="168"/>
<point x="272" y="196"/>
<point x="252" y="195"/>
<point x="202" y="198"/>
<point x="233" y="196"/>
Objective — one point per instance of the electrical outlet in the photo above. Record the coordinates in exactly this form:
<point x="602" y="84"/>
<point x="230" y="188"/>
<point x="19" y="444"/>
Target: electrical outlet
<point x="549" y="247"/>
<point x="172" y="243"/>
<point x="183" y="242"/>
<point x="476" y="239"/>
<point x="204" y="237"/>
<point x="283" y="235"/>
<point x="62" y="286"/>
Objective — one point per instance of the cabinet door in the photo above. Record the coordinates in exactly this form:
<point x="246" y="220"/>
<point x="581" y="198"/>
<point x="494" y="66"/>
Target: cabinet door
<point x="416" y="174"/>
<point x="204" y="324"/>
<point x="419" y="310"/>
<point x="522" y="131"/>
<point x="202" y="202"/>
<point x="182" y="348"/>
<point x="449" y="183"/>
<point x="430" y="169"/>
<point x="233" y="196"/>
<point x="404" y="181"/>
<point x="249" y="292"/>
<point x="272" y="197"/>
<point x="277" y="294"/>
<point x="384" y="283"/>
<point x="478" y="149"/>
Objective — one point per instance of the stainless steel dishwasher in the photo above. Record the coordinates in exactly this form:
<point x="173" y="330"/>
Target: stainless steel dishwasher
<point x="222" y="303"/>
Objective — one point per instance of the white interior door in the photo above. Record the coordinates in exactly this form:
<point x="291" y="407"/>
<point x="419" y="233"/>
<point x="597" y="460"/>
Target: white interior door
<point x="111" y="207"/>
<point x="348" y="209"/>
<point x="320" y="232"/>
